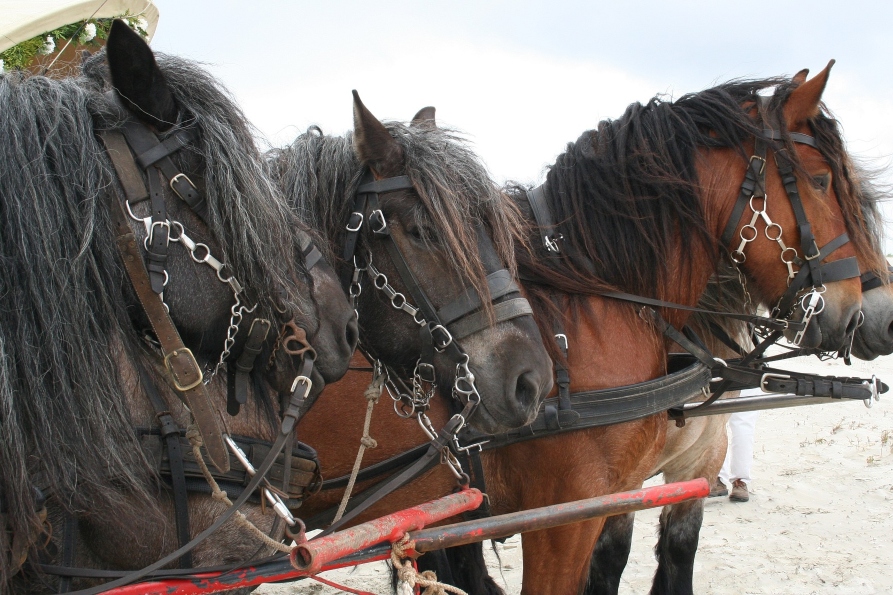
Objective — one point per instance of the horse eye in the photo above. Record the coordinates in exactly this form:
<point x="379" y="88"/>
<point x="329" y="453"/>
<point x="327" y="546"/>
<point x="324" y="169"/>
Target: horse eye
<point x="823" y="181"/>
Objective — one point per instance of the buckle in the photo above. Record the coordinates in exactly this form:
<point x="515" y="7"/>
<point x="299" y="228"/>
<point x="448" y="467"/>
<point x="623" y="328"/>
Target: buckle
<point x="561" y="338"/>
<point x="447" y="337"/>
<point x="181" y="363"/>
<point x="176" y="179"/>
<point x="817" y="252"/>
<point x="359" y="222"/>
<point x="769" y="376"/>
<point x="762" y="165"/>
<point x="378" y="217"/>
<point x="551" y="242"/>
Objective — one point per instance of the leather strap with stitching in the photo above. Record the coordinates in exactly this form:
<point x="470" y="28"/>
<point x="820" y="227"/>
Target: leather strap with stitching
<point x="179" y="361"/>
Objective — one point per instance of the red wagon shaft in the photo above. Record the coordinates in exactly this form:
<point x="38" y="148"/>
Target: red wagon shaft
<point x="385" y="530"/>
<point x="556" y="515"/>
<point x="318" y="555"/>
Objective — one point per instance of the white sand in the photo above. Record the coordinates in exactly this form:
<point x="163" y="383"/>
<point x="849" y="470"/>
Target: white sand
<point x="818" y="520"/>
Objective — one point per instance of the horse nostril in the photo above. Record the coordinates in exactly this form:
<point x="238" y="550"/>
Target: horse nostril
<point x="526" y="389"/>
<point x="352" y="333"/>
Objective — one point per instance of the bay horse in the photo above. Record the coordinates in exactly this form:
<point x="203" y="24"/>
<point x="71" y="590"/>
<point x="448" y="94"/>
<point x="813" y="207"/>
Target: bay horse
<point x="621" y="196"/>
<point x="698" y="448"/>
<point x="82" y="381"/>
<point x="447" y="234"/>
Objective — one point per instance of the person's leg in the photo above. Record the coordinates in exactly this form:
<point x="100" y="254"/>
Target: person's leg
<point x="740" y="461"/>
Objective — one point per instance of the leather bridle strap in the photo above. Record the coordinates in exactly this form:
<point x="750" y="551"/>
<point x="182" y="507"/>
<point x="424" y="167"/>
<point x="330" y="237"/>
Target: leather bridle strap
<point x="428" y="460"/>
<point x="152" y="152"/>
<point x="871" y="281"/>
<point x="543" y="217"/>
<point x="179" y="361"/>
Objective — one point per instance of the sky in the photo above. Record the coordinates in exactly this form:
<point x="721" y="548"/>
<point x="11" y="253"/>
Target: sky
<point x="522" y="79"/>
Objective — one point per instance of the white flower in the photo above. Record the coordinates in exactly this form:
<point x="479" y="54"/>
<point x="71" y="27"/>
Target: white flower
<point x="141" y="25"/>
<point x="49" y="47"/>
<point x="88" y="33"/>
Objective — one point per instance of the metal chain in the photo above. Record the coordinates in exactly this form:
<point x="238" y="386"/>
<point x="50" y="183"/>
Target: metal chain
<point x="749" y="233"/>
<point x="201" y="254"/>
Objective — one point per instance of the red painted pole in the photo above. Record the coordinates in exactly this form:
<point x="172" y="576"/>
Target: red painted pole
<point x="322" y="554"/>
<point x="547" y="517"/>
<point x="370" y="542"/>
<point x="312" y="555"/>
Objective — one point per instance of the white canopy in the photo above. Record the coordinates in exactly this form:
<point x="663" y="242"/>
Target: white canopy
<point x="23" y="19"/>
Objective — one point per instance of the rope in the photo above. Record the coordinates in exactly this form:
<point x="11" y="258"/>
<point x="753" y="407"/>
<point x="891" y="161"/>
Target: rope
<point x="195" y="439"/>
<point x="372" y="394"/>
<point x="408" y="577"/>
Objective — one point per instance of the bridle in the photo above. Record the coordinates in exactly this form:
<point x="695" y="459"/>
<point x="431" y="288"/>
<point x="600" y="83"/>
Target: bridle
<point x="133" y="147"/>
<point x="440" y="331"/>
<point x="806" y="285"/>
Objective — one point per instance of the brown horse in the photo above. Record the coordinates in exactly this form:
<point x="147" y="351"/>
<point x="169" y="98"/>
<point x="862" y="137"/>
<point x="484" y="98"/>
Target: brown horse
<point x="428" y="240"/>
<point x="698" y="448"/>
<point x="81" y="357"/>
<point x="671" y="167"/>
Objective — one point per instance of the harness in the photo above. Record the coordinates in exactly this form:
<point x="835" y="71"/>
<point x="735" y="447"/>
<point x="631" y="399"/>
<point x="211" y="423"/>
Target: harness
<point x="690" y="375"/>
<point x="242" y="465"/>
<point x="439" y="330"/>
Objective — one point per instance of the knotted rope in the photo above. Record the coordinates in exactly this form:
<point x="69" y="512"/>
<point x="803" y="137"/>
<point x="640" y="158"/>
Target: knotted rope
<point x="195" y="439"/>
<point x="372" y="394"/>
<point x="408" y="577"/>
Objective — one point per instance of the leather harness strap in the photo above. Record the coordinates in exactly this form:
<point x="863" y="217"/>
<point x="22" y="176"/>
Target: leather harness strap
<point x="542" y="214"/>
<point x="170" y="433"/>
<point x="181" y="365"/>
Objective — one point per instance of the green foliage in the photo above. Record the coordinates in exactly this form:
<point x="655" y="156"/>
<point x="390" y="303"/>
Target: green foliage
<point x="22" y="54"/>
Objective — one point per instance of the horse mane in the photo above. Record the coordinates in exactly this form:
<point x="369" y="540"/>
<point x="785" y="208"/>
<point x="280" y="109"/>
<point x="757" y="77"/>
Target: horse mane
<point x="65" y="325"/>
<point x="320" y="175"/>
<point x="625" y="196"/>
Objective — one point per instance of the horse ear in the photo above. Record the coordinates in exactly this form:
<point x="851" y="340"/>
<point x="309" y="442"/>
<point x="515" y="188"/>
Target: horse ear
<point x="374" y="145"/>
<point x="425" y="117"/>
<point x="800" y="78"/>
<point x="137" y="79"/>
<point x="804" y="101"/>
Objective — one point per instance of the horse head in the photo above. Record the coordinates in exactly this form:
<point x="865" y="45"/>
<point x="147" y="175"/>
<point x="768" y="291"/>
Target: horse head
<point x="800" y="229"/>
<point x="264" y="274"/>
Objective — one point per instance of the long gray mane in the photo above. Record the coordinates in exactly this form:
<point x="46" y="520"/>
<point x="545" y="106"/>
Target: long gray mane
<point x="320" y="175"/>
<point x="64" y="299"/>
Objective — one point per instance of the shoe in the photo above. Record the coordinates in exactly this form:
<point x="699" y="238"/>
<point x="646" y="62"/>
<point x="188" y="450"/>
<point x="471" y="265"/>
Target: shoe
<point x="718" y="489"/>
<point x="739" y="492"/>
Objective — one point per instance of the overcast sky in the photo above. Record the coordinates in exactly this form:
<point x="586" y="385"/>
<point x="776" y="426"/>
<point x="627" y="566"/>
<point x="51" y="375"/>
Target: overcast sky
<point x="522" y="79"/>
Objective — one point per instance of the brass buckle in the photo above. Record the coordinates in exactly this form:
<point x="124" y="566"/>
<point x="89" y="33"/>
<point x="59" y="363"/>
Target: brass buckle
<point x="178" y="353"/>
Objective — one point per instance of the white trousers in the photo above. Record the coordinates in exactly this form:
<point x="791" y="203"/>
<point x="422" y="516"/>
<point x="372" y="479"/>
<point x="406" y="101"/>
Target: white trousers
<point x="739" y="456"/>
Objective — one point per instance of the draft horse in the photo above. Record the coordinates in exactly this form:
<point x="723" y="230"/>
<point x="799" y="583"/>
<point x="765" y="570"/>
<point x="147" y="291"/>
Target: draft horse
<point x="151" y="274"/>
<point x="414" y="224"/>
<point x="643" y="202"/>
